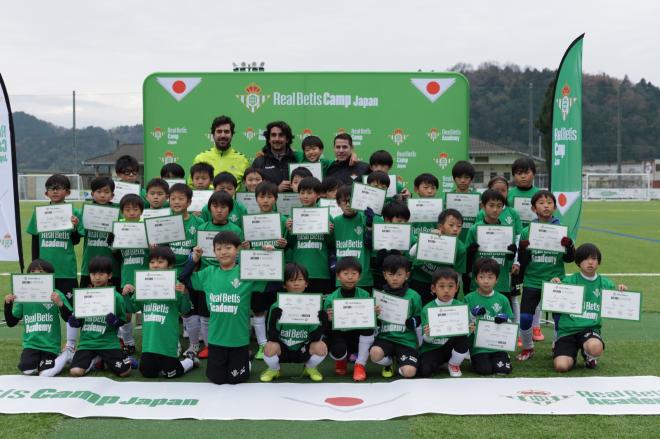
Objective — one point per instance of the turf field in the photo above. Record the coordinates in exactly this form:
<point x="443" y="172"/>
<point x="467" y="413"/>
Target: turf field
<point x="627" y="233"/>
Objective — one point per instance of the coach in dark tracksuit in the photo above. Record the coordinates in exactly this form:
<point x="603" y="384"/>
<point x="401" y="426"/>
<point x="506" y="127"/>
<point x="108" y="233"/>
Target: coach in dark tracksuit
<point x="341" y="169"/>
<point x="277" y="155"/>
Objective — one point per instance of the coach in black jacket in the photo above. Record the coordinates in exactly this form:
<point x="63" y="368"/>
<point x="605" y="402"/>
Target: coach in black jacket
<point x="341" y="168"/>
<point x="277" y="155"/>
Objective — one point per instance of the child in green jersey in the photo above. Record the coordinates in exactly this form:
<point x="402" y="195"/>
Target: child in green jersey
<point x="252" y="178"/>
<point x="227" y="298"/>
<point x="98" y="335"/>
<point x="226" y="182"/>
<point x="312" y="250"/>
<point x="394" y="212"/>
<point x="539" y="266"/>
<point x="220" y="204"/>
<point x="41" y="328"/>
<point x="449" y="223"/>
<point x="436" y="351"/>
<point x="201" y="175"/>
<point x="58" y="247"/>
<point x="353" y="235"/>
<point x="127" y="169"/>
<point x="486" y="303"/>
<point x="297" y="176"/>
<point x="160" y="327"/>
<point x="158" y="192"/>
<point x="288" y="343"/>
<point x="492" y="203"/>
<point x="382" y="161"/>
<point x="329" y="188"/>
<point x="581" y="332"/>
<point x="425" y="186"/>
<point x="131" y="259"/>
<point x="395" y="340"/>
<point x="463" y="174"/>
<point x="341" y="341"/>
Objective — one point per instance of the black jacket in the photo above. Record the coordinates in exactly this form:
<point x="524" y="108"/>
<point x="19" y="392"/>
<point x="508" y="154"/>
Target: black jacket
<point x="348" y="174"/>
<point x="274" y="170"/>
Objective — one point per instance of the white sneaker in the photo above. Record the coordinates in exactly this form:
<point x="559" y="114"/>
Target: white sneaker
<point x="454" y="371"/>
<point x="192" y="348"/>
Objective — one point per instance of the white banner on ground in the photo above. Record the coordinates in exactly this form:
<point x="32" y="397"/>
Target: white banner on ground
<point x="85" y="397"/>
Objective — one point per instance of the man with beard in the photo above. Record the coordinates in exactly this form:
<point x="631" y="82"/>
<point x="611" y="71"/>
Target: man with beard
<point x="223" y="157"/>
<point x="344" y="168"/>
<point x="277" y="155"/>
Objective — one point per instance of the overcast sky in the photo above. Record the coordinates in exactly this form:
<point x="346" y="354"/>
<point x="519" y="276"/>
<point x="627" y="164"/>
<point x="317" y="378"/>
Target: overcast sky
<point x="104" y="50"/>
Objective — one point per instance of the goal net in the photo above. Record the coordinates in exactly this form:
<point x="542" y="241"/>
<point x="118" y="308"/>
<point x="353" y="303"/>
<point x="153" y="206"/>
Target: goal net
<point x="621" y="187"/>
<point x="32" y="187"/>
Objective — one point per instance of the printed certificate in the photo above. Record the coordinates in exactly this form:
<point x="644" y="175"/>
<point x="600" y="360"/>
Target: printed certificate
<point x="32" y="288"/>
<point x="262" y="227"/>
<point x="99" y="217"/>
<point x="122" y="188"/>
<point x="353" y="314"/>
<point x="448" y="321"/>
<point x="392" y="309"/>
<point x="467" y="204"/>
<point x="523" y="206"/>
<point x="624" y="305"/>
<point x="390" y="236"/>
<point x="440" y="249"/>
<point x="547" y="237"/>
<point x="54" y="217"/>
<point x="249" y="200"/>
<point x="200" y="199"/>
<point x="155" y="285"/>
<point x="314" y="220"/>
<point x="494" y="239"/>
<point x="496" y="336"/>
<point x="262" y="265"/>
<point x="166" y="229"/>
<point x="93" y="302"/>
<point x="562" y="298"/>
<point x="367" y="196"/>
<point x="299" y="309"/>
<point x="129" y="235"/>
<point x="424" y="210"/>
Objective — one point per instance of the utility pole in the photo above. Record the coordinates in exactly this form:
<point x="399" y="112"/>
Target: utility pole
<point x="618" y="129"/>
<point x="75" y="151"/>
<point x="530" y="141"/>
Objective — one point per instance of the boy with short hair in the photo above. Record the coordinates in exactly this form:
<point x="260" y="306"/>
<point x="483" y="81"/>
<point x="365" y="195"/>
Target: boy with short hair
<point x="393" y="212"/>
<point x="312" y="147"/>
<point x="98" y="335"/>
<point x="171" y="171"/>
<point x="180" y="198"/>
<point x="160" y="327"/>
<point x="538" y="266"/>
<point x="297" y="175"/>
<point x="486" y="303"/>
<point x="252" y="178"/>
<point x="226" y="182"/>
<point x="382" y="161"/>
<point x="582" y="332"/>
<point x="425" y="186"/>
<point x="436" y="351"/>
<point x="288" y="343"/>
<point x="41" y="341"/>
<point x="449" y="223"/>
<point x="127" y="169"/>
<point x="228" y="301"/>
<point x="341" y="342"/>
<point x="158" y="192"/>
<point x="463" y="173"/>
<point x="329" y="187"/>
<point x="395" y="340"/>
<point x="58" y="247"/>
<point x="201" y="175"/>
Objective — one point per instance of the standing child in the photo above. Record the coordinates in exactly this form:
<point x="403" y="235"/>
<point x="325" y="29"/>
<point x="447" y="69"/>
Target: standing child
<point x="58" y="247"/>
<point x="98" y="335"/>
<point x="160" y="327"/>
<point x="463" y="174"/>
<point x="539" y="266"/>
<point x="395" y="340"/>
<point x="252" y="178"/>
<point x="41" y="328"/>
<point x="581" y="332"/>
<point x="329" y="187"/>
<point x="393" y="212"/>
<point x="158" y="192"/>
<point x="127" y="169"/>
<point x="201" y="175"/>
<point x="341" y="342"/>
<point x="294" y="343"/>
<point x="436" y="351"/>
<point x="487" y="304"/>
<point x="226" y="182"/>
<point x="297" y="175"/>
<point x="382" y="161"/>
<point x="172" y="171"/>
<point x="312" y="147"/>
<point x="425" y="186"/>
<point x="228" y="300"/>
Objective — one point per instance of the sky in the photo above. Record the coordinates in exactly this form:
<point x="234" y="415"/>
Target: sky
<point x="104" y="50"/>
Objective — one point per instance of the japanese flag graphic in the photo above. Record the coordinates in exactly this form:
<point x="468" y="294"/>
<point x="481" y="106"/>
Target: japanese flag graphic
<point x="565" y="200"/>
<point x="179" y="88"/>
<point x="432" y="88"/>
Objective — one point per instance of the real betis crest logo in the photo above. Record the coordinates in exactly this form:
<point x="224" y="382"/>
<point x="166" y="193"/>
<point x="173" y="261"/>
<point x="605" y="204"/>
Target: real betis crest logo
<point x="358" y="230"/>
<point x="565" y="102"/>
<point x="168" y="157"/>
<point x="253" y="99"/>
<point x="306" y="133"/>
<point x="249" y="133"/>
<point x="157" y="133"/>
<point x="398" y="136"/>
<point x="433" y="134"/>
<point x="538" y="397"/>
<point x="236" y="283"/>
<point x="6" y="240"/>
<point x="497" y="307"/>
<point x="597" y="292"/>
<point x="443" y="160"/>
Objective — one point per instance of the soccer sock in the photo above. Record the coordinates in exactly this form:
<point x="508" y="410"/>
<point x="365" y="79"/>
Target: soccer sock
<point x="537" y="317"/>
<point x="314" y="360"/>
<point x="527" y="341"/>
<point x="457" y="358"/>
<point x="260" y="329"/>
<point x="515" y="304"/>
<point x="363" y="349"/>
<point x="204" y="329"/>
<point x="126" y="334"/>
<point x="385" y="361"/>
<point x="187" y="365"/>
<point x="92" y="364"/>
<point x="60" y="362"/>
<point x="193" y="326"/>
<point x="71" y="336"/>
<point x="30" y="372"/>
<point x="272" y="362"/>
<point x="420" y="335"/>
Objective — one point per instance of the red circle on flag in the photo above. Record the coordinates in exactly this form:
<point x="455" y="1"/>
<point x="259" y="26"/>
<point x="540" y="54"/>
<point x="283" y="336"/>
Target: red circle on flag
<point x="562" y="200"/>
<point x="433" y="87"/>
<point x="179" y="86"/>
<point x="344" y="401"/>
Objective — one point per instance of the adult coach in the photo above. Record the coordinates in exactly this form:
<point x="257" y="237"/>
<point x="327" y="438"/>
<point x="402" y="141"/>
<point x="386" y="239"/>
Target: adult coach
<point x="277" y="155"/>
<point x="343" y="168"/>
<point x="222" y="156"/>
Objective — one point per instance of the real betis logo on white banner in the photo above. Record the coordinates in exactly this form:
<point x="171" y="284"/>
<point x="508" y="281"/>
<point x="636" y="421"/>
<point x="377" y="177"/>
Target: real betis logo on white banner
<point x="432" y="88"/>
<point x="566" y="101"/>
<point x="179" y="88"/>
<point x="252" y="99"/>
<point x="538" y="397"/>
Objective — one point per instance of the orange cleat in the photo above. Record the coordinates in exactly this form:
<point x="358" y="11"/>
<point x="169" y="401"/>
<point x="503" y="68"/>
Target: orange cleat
<point x="359" y="374"/>
<point x="537" y="335"/>
<point x="204" y="353"/>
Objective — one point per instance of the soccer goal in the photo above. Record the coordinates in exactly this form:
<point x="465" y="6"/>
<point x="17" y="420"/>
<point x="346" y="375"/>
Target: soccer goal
<point x="619" y="187"/>
<point x="32" y="187"/>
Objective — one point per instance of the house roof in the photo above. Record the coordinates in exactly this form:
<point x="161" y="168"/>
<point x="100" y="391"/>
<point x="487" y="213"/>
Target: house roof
<point x="133" y="149"/>
<point x="481" y="147"/>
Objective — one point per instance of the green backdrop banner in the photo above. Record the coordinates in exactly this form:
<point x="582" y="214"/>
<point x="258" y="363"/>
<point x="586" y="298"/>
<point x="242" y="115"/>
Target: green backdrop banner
<point x="421" y="118"/>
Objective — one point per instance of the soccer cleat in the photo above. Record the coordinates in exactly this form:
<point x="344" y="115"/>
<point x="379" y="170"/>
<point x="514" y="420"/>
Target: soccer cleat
<point x="340" y="367"/>
<point x="537" y="335"/>
<point x="525" y="354"/>
<point x="387" y="372"/>
<point x="589" y="362"/>
<point x="260" y="353"/>
<point x="313" y="374"/>
<point x="359" y="374"/>
<point x="269" y="375"/>
<point x="192" y="348"/>
<point x="519" y="341"/>
<point x="128" y="349"/>
<point x="193" y="356"/>
<point x="454" y="370"/>
<point x="204" y="353"/>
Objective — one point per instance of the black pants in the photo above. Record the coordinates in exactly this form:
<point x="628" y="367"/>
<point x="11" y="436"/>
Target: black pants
<point x="341" y="343"/>
<point x="228" y="365"/>
<point x="34" y="359"/>
<point x="490" y="363"/>
<point x="431" y="361"/>
<point x="155" y="365"/>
